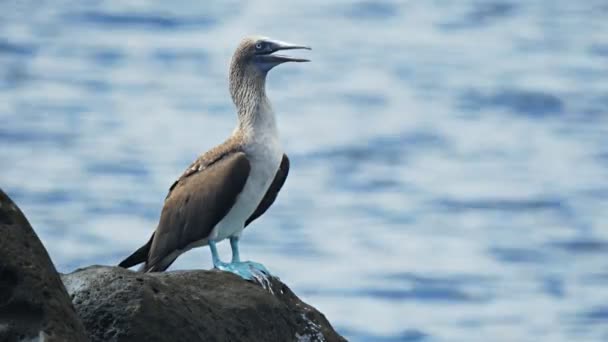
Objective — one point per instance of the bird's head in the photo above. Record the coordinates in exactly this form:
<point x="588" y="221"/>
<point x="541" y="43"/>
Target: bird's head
<point x="252" y="60"/>
<point x="259" y="52"/>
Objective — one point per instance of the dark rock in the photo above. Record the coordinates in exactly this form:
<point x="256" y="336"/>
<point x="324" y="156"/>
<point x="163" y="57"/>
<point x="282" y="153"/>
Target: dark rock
<point x="33" y="302"/>
<point x="116" y="304"/>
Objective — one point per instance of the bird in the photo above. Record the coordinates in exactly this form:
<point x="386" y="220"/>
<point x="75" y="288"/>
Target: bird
<point x="232" y="184"/>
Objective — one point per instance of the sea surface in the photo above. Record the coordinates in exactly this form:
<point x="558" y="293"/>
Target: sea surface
<point x="449" y="160"/>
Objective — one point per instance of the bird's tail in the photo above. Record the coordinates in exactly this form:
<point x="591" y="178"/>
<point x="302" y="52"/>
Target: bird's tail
<point x="138" y="257"/>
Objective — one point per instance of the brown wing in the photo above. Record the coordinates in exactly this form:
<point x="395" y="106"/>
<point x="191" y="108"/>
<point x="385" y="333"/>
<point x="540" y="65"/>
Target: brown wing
<point x="194" y="206"/>
<point x="207" y="159"/>
<point x="229" y="147"/>
<point x="273" y="190"/>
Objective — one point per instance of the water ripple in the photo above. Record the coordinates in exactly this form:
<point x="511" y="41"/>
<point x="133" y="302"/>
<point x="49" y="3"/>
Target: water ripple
<point x="482" y="14"/>
<point x="504" y="204"/>
<point x="531" y="103"/>
<point x="371" y="10"/>
<point x="582" y="246"/>
<point x="518" y="255"/>
<point x="140" y="20"/>
<point x="598" y="315"/>
<point x="17" y="49"/>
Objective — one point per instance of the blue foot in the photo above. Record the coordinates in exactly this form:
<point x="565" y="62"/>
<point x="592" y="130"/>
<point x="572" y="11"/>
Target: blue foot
<point x="248" y="270"/>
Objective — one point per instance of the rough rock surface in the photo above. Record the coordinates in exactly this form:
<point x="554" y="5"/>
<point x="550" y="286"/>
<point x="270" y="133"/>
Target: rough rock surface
<point x="34" y="305"/>
<point x="116" y="304"/>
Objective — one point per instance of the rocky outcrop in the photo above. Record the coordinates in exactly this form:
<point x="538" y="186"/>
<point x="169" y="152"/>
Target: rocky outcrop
<point x="112" y="304"/>
<point x="34" y="305"/>
<point x="116" y="304"/>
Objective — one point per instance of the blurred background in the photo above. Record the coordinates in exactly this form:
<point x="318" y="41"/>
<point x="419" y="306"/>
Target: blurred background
<point x="449" y="176"/>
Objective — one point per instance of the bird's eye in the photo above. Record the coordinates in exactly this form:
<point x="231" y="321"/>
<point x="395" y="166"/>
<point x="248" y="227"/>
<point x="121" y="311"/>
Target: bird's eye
<point x="259" y="46"/>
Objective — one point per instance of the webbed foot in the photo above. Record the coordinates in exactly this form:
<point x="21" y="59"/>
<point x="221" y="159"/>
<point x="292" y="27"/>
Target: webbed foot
<point x="247" y="270"/>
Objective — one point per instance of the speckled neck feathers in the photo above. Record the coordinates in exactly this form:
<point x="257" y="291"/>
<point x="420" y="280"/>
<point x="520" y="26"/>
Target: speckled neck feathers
<point x="248" y="91"/>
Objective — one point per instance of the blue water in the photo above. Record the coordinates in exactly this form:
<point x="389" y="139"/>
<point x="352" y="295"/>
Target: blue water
<point x="449" y="175"/>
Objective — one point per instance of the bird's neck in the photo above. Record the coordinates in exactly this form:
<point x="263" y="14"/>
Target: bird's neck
<point x="255" y="114"/>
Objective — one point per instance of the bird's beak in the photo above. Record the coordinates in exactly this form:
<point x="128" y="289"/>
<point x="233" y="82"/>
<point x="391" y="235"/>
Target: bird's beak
<point x="276" y="45"/>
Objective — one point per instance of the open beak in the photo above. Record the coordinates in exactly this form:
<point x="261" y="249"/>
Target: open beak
<point x="276" y="59"/>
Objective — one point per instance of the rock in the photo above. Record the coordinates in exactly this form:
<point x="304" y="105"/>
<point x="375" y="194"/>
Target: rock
<point x="34" y="305"/>
<point x="116" y="304"/>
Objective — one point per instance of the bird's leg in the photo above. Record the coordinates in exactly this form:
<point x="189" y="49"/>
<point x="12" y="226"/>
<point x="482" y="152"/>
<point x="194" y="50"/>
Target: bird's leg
<point x="236" y="257"/>
<point x="234" y="244"/>
<point x="215" y="256"/>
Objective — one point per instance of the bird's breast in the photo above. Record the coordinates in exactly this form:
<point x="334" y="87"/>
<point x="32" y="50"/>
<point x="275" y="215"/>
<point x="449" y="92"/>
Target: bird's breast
<point x="264" y="158"/>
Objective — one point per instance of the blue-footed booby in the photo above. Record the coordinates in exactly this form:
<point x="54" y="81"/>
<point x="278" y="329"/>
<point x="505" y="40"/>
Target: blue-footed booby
<point x="232" y="184"/>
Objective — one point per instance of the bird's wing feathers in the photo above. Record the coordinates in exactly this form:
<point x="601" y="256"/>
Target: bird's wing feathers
<point x="273" y="190"/>
<point x="195" y="204"/>
<point x="201" y="164"/>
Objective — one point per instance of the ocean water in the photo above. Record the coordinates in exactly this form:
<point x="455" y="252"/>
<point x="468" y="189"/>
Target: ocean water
<point x="449" y="160"/>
